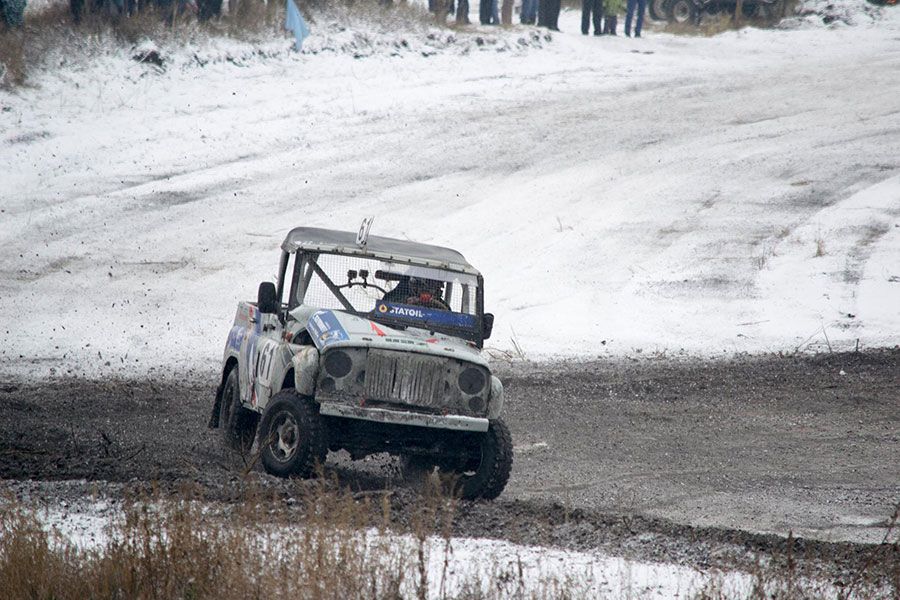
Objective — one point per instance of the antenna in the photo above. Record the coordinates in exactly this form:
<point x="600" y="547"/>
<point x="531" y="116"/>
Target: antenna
<point x="362" y="236"/>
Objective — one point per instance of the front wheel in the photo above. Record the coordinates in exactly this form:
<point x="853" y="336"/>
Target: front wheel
<point x="292" y="436"/>
<point x="486" y="472"/>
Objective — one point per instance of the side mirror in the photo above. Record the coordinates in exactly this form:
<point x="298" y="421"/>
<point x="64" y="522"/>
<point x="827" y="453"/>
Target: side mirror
<point x="487" y="325"/>
<point x="266" y="298"/>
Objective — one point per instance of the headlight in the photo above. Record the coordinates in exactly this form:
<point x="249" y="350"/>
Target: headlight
<point x="472" y="380"/>
<point x="338" y="363"/>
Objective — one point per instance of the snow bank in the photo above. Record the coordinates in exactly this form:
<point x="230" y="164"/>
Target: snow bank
<point x="621" y="196"/>
<point x="453" y="564"/>
<point x="835" y="13"/>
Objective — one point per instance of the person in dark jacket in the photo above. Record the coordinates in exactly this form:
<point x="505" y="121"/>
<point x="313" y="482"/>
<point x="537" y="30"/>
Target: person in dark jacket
<point x="591" y="8"/>
<point x="548" y="14"/>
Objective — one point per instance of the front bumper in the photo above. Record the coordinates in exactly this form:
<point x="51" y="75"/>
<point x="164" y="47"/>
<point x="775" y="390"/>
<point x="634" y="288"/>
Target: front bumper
<point x="398" y="417"/>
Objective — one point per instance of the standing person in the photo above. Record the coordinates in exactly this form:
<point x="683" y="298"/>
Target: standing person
<point x="589" y="7"/>
<point x="529" y="12"/>
<point x="611" y="18"/>
<point x="484" y="11"/>
<point x="548" y="14"/>
<point x="641" y="6"/>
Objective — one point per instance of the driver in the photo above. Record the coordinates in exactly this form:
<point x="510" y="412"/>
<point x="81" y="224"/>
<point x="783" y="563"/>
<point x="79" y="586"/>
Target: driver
<point x="426" y="292"/>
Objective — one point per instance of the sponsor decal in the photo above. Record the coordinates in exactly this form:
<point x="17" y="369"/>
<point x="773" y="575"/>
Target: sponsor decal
<point x="325" y="329"/>
<point x="235" y="337"/>
<point x="428" y="316"/>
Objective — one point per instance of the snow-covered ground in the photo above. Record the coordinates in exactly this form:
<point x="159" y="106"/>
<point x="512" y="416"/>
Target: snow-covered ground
<point x="453" y="563"/>
<point x="738" y="193"/>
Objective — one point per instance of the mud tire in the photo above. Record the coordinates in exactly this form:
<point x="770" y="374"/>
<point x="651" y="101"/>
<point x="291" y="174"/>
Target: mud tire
<point x="657" y="9"/>
<point x="490" y="476"/>
<point x="236" y="423"/>
<point x="682" y="11"/>
<point x="292" y="436"/>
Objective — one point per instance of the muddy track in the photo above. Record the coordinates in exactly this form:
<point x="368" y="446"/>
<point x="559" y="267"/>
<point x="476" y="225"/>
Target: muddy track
<point x="708" y="463"/>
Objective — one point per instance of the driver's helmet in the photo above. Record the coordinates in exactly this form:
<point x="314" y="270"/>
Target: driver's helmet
<point x="420" y="286"/>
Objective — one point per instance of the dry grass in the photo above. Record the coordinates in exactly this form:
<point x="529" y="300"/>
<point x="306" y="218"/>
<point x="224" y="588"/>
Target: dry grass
<point x="51" y="35"/>
<point x="317" y="545"/>
<point x="313" y="544"/>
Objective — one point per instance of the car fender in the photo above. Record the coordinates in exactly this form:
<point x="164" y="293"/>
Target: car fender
<point x="306" y="370"/>
<point x="495" y="406"/>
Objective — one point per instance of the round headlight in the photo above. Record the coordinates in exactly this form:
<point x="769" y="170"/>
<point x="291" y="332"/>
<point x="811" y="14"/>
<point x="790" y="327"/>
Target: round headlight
<point x="338" y="363"/>
<point x="472" y="380"/>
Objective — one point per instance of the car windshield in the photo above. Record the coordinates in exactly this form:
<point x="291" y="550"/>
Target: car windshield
<point x="392" y="292"/>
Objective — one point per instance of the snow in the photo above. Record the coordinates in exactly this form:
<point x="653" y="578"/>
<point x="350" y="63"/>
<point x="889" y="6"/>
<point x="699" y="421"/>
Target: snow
<point x="453" y="563"/>
<point x="663" y="195"/>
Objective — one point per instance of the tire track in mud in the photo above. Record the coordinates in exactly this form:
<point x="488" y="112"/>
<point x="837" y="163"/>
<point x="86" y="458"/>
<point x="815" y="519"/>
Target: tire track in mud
<point x="698" y="462"/>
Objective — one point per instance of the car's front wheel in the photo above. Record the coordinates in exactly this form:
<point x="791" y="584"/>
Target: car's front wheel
<point x="292" y="436"/>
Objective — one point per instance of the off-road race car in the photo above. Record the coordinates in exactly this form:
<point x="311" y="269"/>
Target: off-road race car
<point x="368" y="344"/>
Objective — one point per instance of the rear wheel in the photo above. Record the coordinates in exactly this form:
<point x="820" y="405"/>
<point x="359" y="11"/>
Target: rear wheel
<point x="292" y="436"/>
<point x="682" y="11"/>
<point x="237" y="424"/>
<point x="657" y="10"/>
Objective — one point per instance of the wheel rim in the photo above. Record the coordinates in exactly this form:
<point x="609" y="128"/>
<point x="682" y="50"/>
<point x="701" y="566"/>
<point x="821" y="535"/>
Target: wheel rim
<point x="681" y="12"/>
<point x="658" y="8"/>
<point x="285" y="437"/>
<point x="474" y="462"/>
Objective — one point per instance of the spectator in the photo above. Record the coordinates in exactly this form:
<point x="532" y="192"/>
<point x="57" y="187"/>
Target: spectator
<point x="484" y="11"/>
<point x="529" y="12"/>
<point x="12" y="12"/>
<point x="548" y="14"/>
<point x="641" y="6"/>
<point x="589" y="8"/>
<point x="611" y="19"/>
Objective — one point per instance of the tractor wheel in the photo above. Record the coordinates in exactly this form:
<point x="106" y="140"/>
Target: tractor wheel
<point x="682" y="11"/>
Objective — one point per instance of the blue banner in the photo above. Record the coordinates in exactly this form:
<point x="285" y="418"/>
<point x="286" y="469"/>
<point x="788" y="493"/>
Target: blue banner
<point x="293" y="21"/>
<point x="425" y="315"/>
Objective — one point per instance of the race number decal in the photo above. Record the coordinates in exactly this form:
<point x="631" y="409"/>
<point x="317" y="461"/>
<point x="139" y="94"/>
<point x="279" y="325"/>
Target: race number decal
<point x="264" y="359"/>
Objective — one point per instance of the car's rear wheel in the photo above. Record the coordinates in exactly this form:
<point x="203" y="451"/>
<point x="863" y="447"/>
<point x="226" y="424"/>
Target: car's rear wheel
<point x="237" y="424"/>
<point x="292" y="436"/>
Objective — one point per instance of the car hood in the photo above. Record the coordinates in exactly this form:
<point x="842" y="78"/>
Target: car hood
<point x="336" y="329"/>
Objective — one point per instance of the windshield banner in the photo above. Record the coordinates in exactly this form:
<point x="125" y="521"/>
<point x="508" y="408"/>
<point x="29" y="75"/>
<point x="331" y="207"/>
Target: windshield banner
<point x="427" y="316"/>
<point x="325" y="329"/>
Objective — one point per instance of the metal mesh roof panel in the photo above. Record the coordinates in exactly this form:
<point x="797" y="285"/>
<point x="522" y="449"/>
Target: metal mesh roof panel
<point x="344" y="242"/>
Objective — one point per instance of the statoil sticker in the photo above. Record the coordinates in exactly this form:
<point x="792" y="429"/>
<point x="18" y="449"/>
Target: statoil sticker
<point x="424" y="315"/>
<point x="325" y="329"/>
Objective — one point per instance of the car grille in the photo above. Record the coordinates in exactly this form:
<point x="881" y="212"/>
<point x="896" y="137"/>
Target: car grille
<point x="405" y="377"/>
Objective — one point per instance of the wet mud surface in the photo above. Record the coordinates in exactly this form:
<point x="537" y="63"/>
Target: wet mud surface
<point x="707" y="463"/>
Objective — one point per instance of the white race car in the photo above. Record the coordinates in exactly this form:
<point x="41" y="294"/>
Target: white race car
<point x="369" y="344"/>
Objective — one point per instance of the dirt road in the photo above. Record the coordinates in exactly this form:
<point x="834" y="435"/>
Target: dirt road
<point x="659" y="458"/>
